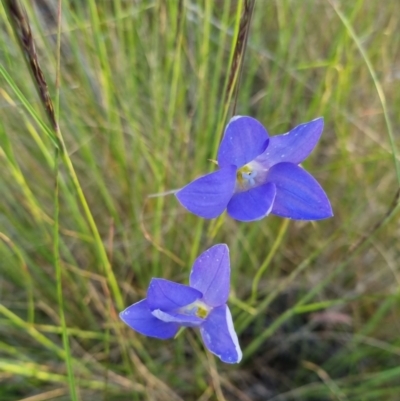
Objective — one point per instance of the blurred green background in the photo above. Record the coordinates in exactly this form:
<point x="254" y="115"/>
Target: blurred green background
<point x="142" y="105"/>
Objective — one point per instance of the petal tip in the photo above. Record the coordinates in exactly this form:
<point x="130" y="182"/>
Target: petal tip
<point x="325" y="211"/>
<point x="316" y="124"/>
<point x="328" y="213"/>
<point x="320" y="121"/>
<point x="234" y="118"/>
<point x="221" y="246"/>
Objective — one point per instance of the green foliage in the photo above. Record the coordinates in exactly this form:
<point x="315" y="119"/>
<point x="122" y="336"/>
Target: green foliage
<point x="142" y="106"/>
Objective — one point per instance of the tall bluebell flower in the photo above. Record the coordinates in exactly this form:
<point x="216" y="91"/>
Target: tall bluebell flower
<point x="202" y="304"/>
<point x="259" y="175"/>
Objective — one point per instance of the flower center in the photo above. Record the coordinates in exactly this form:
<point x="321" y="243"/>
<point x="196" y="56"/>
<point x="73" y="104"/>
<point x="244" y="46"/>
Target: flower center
<point x="246" y="177"/>
<point x="197" y="308"/>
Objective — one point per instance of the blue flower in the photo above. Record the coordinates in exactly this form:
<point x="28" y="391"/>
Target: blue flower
<point x="170" y="305"/>
<point x="259" y="175"/>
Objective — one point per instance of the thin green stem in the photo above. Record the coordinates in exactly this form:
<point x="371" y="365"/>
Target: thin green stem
<point x="263" y="268"/>
<point x="56" y="234"/>
<point x="57" y="265"/>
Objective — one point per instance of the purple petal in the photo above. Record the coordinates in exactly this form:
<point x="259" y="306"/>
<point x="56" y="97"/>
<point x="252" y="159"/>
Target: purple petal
<point x="208" y="195"/>
<point x="219" y="335"/>
<point x="253" y="204"/>
<point x="139" y="318"/>
<point x="168" y="296"/>
<point x="298" y="194"/>
<point x="293" y="147"/>
<point x="211" y="275"/>
<point x="244" y="139"/>
<point x="181" y="319"/>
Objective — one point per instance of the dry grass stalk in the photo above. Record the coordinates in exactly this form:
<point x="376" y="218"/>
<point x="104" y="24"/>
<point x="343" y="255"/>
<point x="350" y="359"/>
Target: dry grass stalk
<point x="20" y="22"/>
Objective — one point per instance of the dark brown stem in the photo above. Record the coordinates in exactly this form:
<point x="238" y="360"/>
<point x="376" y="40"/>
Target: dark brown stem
<point x="20" y="23"/>
<point x="240" y="50"/>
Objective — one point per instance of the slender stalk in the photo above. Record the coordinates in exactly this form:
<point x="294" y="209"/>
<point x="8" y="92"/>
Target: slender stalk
<point x="263" y="268"/>
<point x="240" y="50"/>
<point x="60" y="298"/>
<point x="23" y="32"/>
<point x="56" y="232"/>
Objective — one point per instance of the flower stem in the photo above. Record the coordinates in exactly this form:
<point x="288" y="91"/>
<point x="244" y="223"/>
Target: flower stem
<point x="271" y="254"/>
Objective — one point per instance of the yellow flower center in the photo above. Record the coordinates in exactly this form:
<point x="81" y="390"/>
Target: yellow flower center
<point x="245" y="177"/>
<point x="202" y="312"/>
<point x="198" y="308"/>
<point x="242" y="172"/>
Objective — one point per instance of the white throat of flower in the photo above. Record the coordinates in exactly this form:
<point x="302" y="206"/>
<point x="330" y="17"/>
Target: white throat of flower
<point x="196" y="308"/>
<point x="249" y="176"/>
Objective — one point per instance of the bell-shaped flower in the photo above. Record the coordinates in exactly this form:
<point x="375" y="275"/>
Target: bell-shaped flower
<point x="202" y="304"/>
<point x="259" y="175"/>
